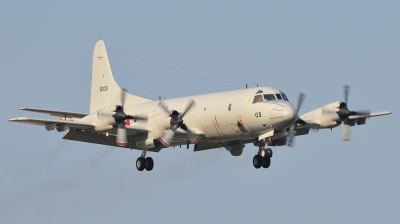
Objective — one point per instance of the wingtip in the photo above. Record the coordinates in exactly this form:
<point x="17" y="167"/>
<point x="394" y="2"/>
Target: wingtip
<point x="17" y="119"/>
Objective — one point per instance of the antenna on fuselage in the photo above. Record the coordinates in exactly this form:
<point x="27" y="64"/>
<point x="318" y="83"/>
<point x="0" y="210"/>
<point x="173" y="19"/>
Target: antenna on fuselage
<point x="246" y="85"/>
<point x="159" y="97"/>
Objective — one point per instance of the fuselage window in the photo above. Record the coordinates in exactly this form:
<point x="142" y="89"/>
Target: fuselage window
<point x="269" y="97"/>
<point x="284" y="97"/>
<point x="258" y="99"/>
<point x="278" y="96"/>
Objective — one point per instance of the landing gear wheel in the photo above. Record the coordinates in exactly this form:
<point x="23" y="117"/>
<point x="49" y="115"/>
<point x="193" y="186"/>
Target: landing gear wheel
<point x="269" y="153"/>
<point x="265" y="163"/>
<point x="257" y="161"/>
<point x="148" y="164"/>
<point x="140" y="164"/>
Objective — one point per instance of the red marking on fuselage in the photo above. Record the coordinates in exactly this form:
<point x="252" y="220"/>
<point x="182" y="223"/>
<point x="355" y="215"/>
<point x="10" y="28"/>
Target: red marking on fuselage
<point x="219" y="128"/>
<point x="127" y="122"/>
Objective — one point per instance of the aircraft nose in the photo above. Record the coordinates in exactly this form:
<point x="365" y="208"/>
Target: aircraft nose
<point x="284" y="112"/>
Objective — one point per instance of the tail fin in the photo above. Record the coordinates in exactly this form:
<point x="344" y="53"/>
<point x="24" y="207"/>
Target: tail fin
<point x="105" y="91"/>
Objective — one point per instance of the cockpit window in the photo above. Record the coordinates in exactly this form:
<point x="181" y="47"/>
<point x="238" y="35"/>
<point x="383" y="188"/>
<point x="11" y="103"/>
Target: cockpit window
<point x="259" y="91"/>
<point x="278" y="96"/>
<point x="284" y="97"/>
<point x="258" y="99"/>
<point x="269" y="97"/>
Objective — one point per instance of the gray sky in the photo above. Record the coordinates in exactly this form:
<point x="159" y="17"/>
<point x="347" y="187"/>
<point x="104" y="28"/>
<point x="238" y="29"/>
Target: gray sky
<point x="314" y="47"/>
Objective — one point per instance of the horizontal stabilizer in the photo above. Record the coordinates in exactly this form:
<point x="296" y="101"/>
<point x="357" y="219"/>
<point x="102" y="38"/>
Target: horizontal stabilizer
<point x="56" y="113"/>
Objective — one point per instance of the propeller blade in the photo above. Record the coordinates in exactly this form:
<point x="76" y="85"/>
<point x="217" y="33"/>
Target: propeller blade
<point x="346" y="132"/>
<point x="346" y="93"/>
<point x="136" y="118"/>
<point x="165" y="108"/>
<point x="291" y="135"/>
<point x="121" y="137"/>
<point x="362" y="112"/>
<point x="300" y="101"/>
<point x="189" y="106"/>
<point x="123" y="97"/>
<point x="292" y="131"/>
<point x="167" y="137"/>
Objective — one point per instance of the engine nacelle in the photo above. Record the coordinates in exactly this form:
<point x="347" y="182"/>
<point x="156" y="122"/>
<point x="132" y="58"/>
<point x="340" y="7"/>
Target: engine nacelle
<point x="103" y="119"/>
<point x="163" y="122"/>
<point x="325" y="117"/>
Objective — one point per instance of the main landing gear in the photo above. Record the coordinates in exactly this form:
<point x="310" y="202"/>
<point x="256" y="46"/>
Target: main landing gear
<point x="263" y="158"/>
<point x="144" y="163"/>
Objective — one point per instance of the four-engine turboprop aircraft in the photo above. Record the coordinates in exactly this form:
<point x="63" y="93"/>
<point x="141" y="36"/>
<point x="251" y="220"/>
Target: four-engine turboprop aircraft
<point x="262" y="116"/>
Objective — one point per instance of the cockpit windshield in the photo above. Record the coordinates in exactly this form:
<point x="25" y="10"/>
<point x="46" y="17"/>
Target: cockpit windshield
<point x="269" y="97"/>
<point x="258" y="99"/>
<point x="284" y="97"/>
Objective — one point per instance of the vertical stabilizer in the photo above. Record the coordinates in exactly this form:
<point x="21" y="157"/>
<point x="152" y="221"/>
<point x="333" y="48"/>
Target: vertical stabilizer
<point x="105" y="91"/>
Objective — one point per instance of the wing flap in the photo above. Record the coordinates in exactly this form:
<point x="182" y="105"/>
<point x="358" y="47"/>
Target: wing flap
<point x="100" y="139"/>
<point x="56" y="113"/>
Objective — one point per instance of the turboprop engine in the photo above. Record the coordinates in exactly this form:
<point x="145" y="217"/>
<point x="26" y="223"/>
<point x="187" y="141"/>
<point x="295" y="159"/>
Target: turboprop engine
<point x="105" y="118"/>
<point x="334" y="114"/>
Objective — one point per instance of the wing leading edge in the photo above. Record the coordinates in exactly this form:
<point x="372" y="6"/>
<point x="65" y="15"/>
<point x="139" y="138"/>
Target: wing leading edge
<point x="43" y="122"/>
<point x="56" y="113"/>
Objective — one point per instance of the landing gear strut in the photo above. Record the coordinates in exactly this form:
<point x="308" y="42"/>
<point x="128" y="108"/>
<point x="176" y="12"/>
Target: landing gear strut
<point x="144" y="163"/>
<point x="263" y="158"/>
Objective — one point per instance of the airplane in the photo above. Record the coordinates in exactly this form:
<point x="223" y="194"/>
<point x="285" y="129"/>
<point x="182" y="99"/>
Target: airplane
<point x="262" y="116"/>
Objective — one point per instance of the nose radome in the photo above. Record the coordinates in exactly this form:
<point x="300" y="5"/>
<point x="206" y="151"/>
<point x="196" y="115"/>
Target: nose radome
<point x="284" y="111"/>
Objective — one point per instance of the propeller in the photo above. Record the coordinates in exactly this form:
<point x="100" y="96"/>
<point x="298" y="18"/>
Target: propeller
<point x="120" y="117"/>
<point x="344" y="114"/>
<point x="177" y="122"/>
<point x="292" y="129"/>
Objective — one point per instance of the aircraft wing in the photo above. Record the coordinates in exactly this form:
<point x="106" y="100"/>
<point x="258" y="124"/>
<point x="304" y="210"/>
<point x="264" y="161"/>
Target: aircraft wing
<point x="42" y="122"/>
<point x="370" y="115"/>
<point x="57" y="113"/>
